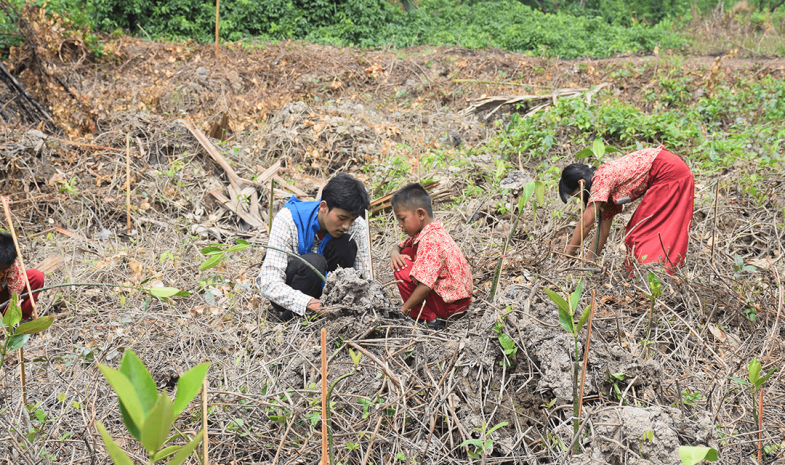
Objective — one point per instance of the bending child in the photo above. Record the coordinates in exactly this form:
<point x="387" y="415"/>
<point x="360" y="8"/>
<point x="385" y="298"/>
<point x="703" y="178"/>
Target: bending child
<point x="327" y="233"/>
<point x="12" y="280"/>
<point x="429" y="264"/>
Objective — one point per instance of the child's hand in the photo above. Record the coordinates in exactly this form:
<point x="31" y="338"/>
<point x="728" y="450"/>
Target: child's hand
<point x="398" y="261"/>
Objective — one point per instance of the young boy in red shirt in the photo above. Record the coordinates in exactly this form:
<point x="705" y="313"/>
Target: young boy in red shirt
<point x="11" y="278"/>
<point x="429" y="264"/>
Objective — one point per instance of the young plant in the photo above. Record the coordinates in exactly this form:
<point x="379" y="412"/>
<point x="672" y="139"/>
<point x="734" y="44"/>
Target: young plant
<point x="483" y="444"/>
<point x="754" y="383"/>
<point x="356" y="358"/>
<point x="507" y="344"/>
<point x="656" y="292"/>
<point x="528" y="190"/>
<point x="598" y="149"/>
<point x="567" y="310"/>
<point x="16" y="338"/>
<point x="147" y="415"/>
<point x="692" y="455"/>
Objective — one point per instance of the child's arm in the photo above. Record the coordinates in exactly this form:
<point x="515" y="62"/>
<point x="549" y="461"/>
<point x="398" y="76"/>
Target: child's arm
<point x="417" y="297"/>
<point x="397" y="261"/>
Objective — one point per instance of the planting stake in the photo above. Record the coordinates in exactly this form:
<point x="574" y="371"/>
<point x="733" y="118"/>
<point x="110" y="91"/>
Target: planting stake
<point x="586" y="355"/>
<point x="217" y="13"/>
<point x="325" y="453"/>
<point x="714" y="228"/>
<point x="581" y="182"/>
<point x="370" y="255"/>
<point x="760" y="425"/>
<point x="370" y="441"/>
<point x="22" y="374"/>
<point x="270" y="214"/>
<point x="205" y="440"/>
<point x="128" y="183"/>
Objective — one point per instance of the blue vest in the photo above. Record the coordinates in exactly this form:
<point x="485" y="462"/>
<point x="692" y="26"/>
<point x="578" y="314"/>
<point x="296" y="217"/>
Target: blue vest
<point x="305" y="217"/>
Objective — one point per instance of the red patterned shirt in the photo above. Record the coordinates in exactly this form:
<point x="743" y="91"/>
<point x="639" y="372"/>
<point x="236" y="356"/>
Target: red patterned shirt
<point x="622" y="181"/>
<point x="439" y="263"/>
<point x="12" y="277"/>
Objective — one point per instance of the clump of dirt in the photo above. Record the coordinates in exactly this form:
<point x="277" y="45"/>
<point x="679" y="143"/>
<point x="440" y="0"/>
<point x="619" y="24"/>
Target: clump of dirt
<point x="347" y="288"/>
<point x="619" y="435"/>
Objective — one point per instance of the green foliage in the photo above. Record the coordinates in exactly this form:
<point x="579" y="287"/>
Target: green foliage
<point x="691" y="455"/>
<point x="216" y="253"/>
<point x="598" y="150"/>
<point x="507" y="344"/>
<point x="482" y="445"/>
<point x="17" y="336"/>
<point x="147" y="415"/>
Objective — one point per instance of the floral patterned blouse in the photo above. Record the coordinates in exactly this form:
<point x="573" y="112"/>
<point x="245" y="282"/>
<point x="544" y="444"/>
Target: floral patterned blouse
<point x="439" y="263"/>
<point x="12" y="277"/>
<point x="622" y="181"/>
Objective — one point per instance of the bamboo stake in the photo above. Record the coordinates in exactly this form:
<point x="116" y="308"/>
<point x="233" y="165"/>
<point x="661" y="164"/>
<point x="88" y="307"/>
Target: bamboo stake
<point x="714" y="228"/>
<point x="128" y="183"/>
<point x="325" y="454"/>
<point x="580" y="223"/>
<point x="586" y="350"/>
<point x="205" y="439"/>
<point x="370" y="255"/>
<point x="760" y="426"/>
<point x="217" y="14"/>
<point x="7" y="209"/>
<point x="270" y="213"/>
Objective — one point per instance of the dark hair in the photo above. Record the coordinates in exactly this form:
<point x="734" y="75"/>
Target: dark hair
<point x="413" y="196"/>
<point x="7" y="249"/>
<point x="346" y="193"/>
<point x="570" y="180"/>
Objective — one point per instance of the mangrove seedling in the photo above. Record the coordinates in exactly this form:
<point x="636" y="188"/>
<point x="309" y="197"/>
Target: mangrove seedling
<point x="754" y="383"/>
<point x="17" y="337"/>
<point x="147" y="415"/>
<point x="656" y="292"/>
<point x="567" y="310"/>
<point x="482" y="445"/>
<point x="692" y="455"/>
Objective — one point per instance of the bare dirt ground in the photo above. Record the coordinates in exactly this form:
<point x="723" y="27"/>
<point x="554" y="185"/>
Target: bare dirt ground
<point x="319" y="110"/>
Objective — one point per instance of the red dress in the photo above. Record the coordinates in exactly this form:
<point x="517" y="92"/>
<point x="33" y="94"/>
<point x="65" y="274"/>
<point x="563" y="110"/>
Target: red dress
<point x="659" y="229"/>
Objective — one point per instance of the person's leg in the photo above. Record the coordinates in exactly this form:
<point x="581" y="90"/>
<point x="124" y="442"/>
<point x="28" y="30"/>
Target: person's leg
<point x="340" y="252"/>
<point x="36" y="279"/>
<point x="407" y="286"/>
<point x="301" y="277"/>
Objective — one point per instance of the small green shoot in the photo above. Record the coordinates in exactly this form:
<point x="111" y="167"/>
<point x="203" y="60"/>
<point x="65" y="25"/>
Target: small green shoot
<point x="692" y="455"/>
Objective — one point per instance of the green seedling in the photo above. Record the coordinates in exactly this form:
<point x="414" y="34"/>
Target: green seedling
<point x="656" y="292"/>
<point x="482" y="445"/>
<point x="147" y="415"/>
<point x="507" y="344"/>
<point x="567" y="310"/>
<point x="598" y="150"/>
<point x="692" y="455"/>
<point x="614" y="379"/>
<point x="17" y="336"/>
<point x="647" y="436"/>
<point x="754" y="382"/>
<point x="217" y="253"/>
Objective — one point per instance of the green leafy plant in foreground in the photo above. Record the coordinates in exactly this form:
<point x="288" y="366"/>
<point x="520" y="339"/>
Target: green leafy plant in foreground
<point x="567" y="310"/>
<point x="692" y="455"/>
<point x="147" y="415"/>
<point x="483" y="444"/>
<point x="754" y="383"/>
<point x="16" y="338"/>
<point x="507" y="344"/>
<point x="598" y="149"/>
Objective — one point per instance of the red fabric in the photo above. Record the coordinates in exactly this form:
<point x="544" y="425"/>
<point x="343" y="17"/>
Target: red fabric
<point x="36" y="282"/>
<point x="12" y="277"/>
<point x="623" y="180"/>
<point x="435" y="306"/>
<point x="665" y="213"/>
<point x="440" y="264"/>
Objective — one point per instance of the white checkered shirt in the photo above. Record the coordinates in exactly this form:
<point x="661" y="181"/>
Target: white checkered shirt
<point x="272" y="277"/>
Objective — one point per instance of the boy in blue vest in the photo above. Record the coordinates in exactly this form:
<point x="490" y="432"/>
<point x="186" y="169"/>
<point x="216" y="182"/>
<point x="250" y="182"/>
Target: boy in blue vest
<point x="327" y="233"/>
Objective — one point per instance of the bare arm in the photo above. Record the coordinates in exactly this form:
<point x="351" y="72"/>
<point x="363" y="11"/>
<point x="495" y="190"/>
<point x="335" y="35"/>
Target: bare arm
<point x="605" y="229"/>
<point x="584" y="227"/>
<point x="419" y="294"/>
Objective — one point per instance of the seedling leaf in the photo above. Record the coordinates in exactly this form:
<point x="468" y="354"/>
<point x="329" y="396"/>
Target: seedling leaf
<point x="35" y="326"/>
<point x="500" y="425"/>
<point x="118" y="456"/>
<point x="186" y="450"/>
<point x="585" y="153"/>
<point x="540" y="191"/>
<point x="598" y="147"/>
<point x="356" y="357"/>
<point x="163" y="453"/>
<point x="754" y="371"/>
<point x="133" y="416"/>
<point x="157" y="424"/>
<point x="188" y="386"/>
<point x="691" y="455"/>
<point x="739" y="380"/>
<point x="584" y="318"/>
<point x="211" y="262"/>
<point x="557" y="299"/>
<point x="528" y="190"/>
<point x="13" y="315"/>
<point x="164" y="292"/>
<point x="566" y="321"/>
<point x="144" y="386"/>
<point x="17" y="341"/>
<point x="763" y="380"/>
<point x="575" y="297"/>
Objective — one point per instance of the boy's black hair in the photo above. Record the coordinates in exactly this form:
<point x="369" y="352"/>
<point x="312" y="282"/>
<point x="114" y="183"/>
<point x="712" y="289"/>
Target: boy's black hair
<point x="570" y="181"/>
<point x="413" y="196"/>
<point x="7" y="250"/>
<point x="347" y="193"/>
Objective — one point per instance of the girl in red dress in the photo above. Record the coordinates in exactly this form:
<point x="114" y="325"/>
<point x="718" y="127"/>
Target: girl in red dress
<point x="659" y="228"/>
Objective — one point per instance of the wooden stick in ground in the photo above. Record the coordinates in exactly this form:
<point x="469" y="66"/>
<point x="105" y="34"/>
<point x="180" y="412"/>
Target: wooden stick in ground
<point x="370" y="441"/>
<point x="580" y="223"/>
<point x="714" y="228"/>
<point x="270" y="213"/>
<point x="128" y="183"/>
<point x="22" y="379"/>
<point x="205" y="439"/>
<point x="283" y="440"/>
<point x="370" y="255"/>
<point x="217" y="17"/>
<point x="586" y="351"/>
<point x="325" y="454"/>
<point x="760" y="426"/>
